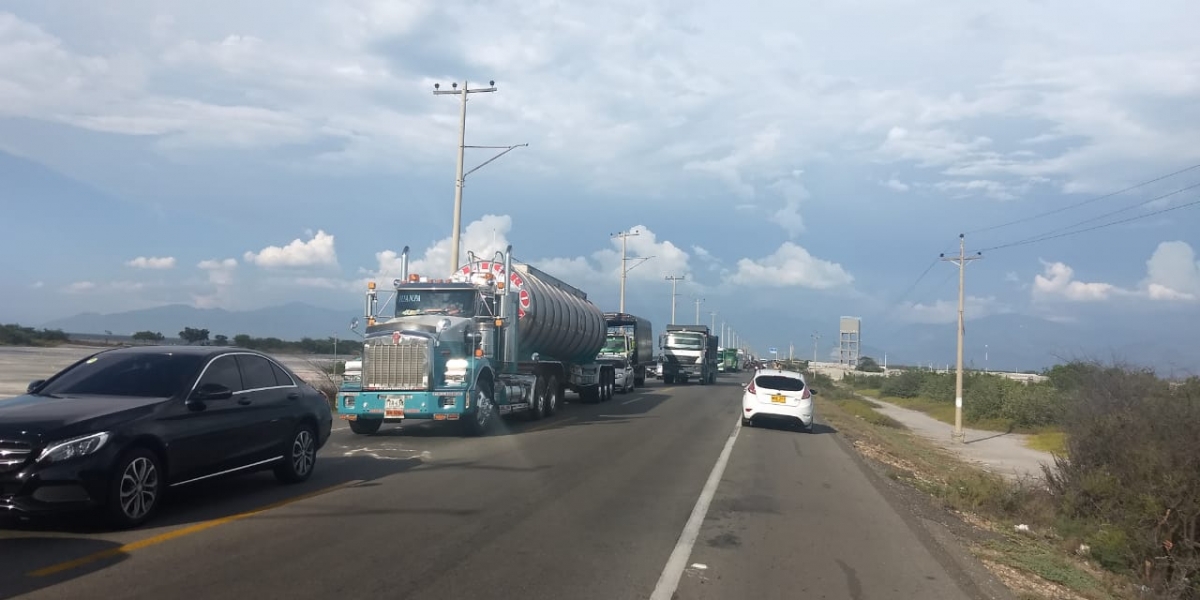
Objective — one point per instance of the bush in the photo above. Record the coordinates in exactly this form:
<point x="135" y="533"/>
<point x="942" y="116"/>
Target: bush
<point x="1133" y="475"/>
<point x="15" y="335"/>
<point x="904" y="385"/>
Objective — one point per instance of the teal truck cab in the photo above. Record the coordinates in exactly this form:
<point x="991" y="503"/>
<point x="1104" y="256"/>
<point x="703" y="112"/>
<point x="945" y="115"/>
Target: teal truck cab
<point x="496" y="338"/>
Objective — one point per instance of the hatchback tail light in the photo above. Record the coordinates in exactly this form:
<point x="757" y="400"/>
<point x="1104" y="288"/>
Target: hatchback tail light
<point x="807" y="395"/>
<point x="750" y="388"/>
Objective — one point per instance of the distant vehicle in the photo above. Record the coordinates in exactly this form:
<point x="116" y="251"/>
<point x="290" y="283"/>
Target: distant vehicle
<point x="778" y="395"/>
<point x="731" y="360"/>
<point x="629" y="347"/>
<point x="689" y="352"/>
<point x="116" y="429"/>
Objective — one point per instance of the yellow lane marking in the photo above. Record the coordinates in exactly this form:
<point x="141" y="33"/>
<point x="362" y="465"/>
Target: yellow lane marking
<point x="178" y="533"/>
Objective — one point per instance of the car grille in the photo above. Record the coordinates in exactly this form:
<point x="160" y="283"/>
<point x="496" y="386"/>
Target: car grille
<point x="14" y="455"/>
<point x="401" y="366"/>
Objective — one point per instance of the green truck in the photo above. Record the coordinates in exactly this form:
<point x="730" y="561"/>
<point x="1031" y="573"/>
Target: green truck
<point x="731" y="361"/>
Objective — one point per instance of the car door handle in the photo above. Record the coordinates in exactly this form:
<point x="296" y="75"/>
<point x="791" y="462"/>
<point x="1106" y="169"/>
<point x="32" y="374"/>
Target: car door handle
<point x="244" y="401"/>
<point x="293" y="396"/>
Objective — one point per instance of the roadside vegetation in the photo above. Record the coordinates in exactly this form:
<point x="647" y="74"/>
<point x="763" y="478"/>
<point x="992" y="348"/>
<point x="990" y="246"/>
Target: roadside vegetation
<point x="1116" y="516"/>
<point x="15" y="335"/>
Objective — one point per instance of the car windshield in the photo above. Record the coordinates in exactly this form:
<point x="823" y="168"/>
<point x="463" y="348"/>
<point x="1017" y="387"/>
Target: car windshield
<point x="779" y="383"/>
<point x="685" y="341"/>
<point x="455" y="303"/>
<point x="148" y="375"/>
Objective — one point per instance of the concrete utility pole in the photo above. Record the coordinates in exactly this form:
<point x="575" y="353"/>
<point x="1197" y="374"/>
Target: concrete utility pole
<point x="674" y="279"/>
<point x="459" y="175"/>
<point x="816" y="337"/>
<point x="625" y="268"/>
<point x="698" y="302"/>
<point x="961" y="260"/>
<point x="713" y="326"/>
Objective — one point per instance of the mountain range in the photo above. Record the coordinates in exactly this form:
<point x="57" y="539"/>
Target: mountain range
<point x="1013" y="342"/>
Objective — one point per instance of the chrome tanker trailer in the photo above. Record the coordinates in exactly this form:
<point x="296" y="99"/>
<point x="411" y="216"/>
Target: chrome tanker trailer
<point x="495" y="338"/>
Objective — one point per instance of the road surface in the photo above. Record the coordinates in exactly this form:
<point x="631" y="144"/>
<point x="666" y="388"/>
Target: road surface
<point x="655" y="494"/>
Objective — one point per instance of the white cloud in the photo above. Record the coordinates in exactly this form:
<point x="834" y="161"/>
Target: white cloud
<point x="152" y="262"/>
<point x="489" y="235"/>
<point x="1173" y="273"/>
<point x="220" y="282"/>
<point x="946" y="311"/>
<point x="790" y="266"/>
<point x="1057" y="282"/>
<point x="897" y="185"/>
<point x="81" y="286"/>
<point x="318" y="251"/>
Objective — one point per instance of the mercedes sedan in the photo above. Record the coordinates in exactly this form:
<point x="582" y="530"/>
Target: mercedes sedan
<point x="116" y="429"/>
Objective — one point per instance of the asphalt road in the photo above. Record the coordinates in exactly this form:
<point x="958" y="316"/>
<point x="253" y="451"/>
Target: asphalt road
<point x="600" y="502"/>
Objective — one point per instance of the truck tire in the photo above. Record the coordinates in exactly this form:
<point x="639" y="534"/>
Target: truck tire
<point x="479" y="420"/>
<point x="704" y="378"/>
<point x="552" y="396"/>
<point x="668" y="379"/>
<point x="537" y="402"/>
<point x="365" y="426"/>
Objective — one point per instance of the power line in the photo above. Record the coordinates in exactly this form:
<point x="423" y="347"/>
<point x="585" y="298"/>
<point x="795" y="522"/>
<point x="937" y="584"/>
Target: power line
<point x="1088" y="201"/>
<point x="1101" y="226"/>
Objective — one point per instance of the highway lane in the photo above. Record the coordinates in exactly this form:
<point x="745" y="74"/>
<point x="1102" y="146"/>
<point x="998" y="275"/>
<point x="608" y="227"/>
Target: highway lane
<point x="588" y="505"/>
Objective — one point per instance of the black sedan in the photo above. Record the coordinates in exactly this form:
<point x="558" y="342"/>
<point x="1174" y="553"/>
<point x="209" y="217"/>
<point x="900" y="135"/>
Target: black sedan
<point x="116" y="429"/>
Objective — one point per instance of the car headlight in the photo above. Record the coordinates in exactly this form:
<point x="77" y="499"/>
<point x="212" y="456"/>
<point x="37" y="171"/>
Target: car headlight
<point x="74" y="447"/>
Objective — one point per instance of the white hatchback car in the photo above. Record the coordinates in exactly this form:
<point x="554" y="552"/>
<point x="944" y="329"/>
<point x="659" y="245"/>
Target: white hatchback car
<point x="774" y="394"/>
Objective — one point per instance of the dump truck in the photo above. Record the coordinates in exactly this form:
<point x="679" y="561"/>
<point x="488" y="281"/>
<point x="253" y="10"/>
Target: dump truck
<point x="730" y="360"/>
<point x="689" y="352"/>
<point x="495" y="338"/>
<point x="629" y="347"/>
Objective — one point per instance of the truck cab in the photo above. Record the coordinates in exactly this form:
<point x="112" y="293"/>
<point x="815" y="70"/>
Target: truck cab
<point x="688" y="353"/>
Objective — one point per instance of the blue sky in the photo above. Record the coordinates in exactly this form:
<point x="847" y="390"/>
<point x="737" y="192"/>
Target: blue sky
<point x="794" y="161"/>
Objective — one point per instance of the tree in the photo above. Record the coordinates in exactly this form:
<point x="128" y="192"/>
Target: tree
<point x="148" y="336"/>
<point x="242" y="340"/>
<point x="221" y="339"/>
<point x="192" y="335"/>
<point x="867" y="364"/>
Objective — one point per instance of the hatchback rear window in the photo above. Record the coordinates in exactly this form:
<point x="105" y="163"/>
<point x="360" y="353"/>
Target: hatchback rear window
<point x="777" y="382"/>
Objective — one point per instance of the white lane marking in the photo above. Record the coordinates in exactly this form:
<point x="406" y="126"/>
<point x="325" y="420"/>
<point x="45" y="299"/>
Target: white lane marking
<point x="669" y="580"/>
<point x="633" y="400"/>
<point x="374" y="453"/>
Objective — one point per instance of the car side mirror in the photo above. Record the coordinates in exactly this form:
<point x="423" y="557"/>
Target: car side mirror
<point x="812" y="391"/>
<point x="211" y="391"/>
<point x="34" y="385"/>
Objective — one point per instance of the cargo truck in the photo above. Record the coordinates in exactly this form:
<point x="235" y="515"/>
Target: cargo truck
<point x="730" y="360"/>
<point x="689" y="352"/>
<point x="629" y="347"/>
<point x="495" y="338"/>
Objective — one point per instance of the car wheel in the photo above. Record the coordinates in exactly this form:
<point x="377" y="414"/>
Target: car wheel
<point x="747" y="422"/>
<point x="135" y="490"/>
<point x="300" y="457"/>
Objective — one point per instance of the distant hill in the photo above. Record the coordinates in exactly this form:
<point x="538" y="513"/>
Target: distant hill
<point x="289" y="321"/>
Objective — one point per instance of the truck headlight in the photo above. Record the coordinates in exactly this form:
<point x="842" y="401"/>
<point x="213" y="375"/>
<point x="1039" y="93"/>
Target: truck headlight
<point x="456" y="371"/>
<point x="74" y="447"/>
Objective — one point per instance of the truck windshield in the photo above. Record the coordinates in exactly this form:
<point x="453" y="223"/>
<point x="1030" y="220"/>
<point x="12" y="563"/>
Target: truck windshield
<point x="614" y="345"/>
<point x="455" y="303"/>
<point x="685" y="341"/>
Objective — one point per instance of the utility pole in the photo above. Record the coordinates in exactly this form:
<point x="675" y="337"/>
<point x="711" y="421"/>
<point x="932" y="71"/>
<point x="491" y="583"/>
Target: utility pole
<point x="459" y="175"/>
<point x="724" y="340"/>
<point x="698" y="302"/>
<point x="816" y="337"/>
<point x="674" y="279"/>
<point x="713" y="326"/>
<point x="625" y="269"/>
<point x="961" y="260"/>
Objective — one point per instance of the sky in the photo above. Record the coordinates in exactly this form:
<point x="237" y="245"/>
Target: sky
<point x="795" y="162"/>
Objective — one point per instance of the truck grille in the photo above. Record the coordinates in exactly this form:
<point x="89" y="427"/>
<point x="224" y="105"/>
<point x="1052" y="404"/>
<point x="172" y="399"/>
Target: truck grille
<point x="13" y="455"/>
<point x="402" y="366"/>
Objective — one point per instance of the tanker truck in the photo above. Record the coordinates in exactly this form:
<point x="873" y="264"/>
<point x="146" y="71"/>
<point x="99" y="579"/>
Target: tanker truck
<point x="495" y="338"/>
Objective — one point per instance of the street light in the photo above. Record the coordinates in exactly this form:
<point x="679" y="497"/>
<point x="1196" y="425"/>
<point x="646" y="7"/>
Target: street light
<point x="460" y="176"/>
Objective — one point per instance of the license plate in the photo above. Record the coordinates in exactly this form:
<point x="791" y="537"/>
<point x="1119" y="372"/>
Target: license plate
<point x="779" y="399"/>
<point x="394" y="407"/>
